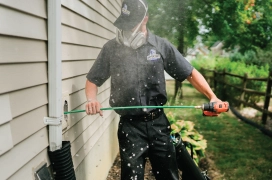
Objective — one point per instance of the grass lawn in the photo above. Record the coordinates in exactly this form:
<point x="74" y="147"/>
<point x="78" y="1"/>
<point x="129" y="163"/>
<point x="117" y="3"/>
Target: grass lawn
<point x="238" y="151"/>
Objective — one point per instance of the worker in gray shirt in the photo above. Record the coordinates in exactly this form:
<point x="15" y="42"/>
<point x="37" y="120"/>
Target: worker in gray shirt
<point x="135" y="60"/>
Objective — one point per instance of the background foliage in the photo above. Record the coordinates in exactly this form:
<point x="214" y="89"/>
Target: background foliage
<point x="238" y="68"/>
<point x="243" y="23"/>
<point x="244" y="26"/>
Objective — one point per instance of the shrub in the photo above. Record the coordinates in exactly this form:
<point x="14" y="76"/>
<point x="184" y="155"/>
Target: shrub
<point x="238" y="68"/>
<point x="208" y="62"/>
<point x="189" y="135"/>
<point x="259" y="58"/>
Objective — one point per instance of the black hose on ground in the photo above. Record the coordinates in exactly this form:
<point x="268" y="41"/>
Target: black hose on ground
<point x="248" y="121"/>
<point x="186" y="164"/>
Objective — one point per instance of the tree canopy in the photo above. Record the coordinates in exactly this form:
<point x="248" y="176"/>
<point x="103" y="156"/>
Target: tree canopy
<point x="173" y="20"/>
<point x="238" y="23"/>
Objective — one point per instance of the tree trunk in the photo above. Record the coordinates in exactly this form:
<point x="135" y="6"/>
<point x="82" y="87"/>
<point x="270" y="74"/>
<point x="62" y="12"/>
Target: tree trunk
<point x="181" y="46"/>
<point x="178" y="84"/>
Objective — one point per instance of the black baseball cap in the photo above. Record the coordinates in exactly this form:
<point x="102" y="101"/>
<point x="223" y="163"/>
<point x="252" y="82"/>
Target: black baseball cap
<point x="132" y="13"/>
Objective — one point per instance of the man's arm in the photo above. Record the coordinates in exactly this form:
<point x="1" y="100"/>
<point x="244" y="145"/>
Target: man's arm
<point x="92" y="105"/>
<point x="199" y="82"/>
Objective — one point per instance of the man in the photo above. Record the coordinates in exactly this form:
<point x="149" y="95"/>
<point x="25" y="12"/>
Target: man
<point x="136" y="61"/>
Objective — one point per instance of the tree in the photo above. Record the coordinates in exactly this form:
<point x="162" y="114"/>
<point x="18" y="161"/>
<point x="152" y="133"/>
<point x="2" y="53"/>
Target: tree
<point x="239" y="23"/>
<point x="174" y="20"/>
<point x="243" y="24"/>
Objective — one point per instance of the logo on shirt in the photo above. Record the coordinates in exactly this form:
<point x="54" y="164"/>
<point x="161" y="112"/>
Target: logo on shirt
<point x="125" y="11"/>
<point x="153" y="56"/>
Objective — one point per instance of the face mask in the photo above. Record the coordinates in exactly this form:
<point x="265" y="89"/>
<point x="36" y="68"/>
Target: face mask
<point x="131" y="39"/>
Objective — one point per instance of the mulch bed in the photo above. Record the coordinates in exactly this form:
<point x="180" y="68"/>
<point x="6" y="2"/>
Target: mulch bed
<point x="205" y="164"/>
<point x="115" y="171"/>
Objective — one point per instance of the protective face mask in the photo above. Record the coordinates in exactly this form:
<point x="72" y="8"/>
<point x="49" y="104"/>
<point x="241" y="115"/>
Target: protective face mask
<point x="128" y="36"/>
<point x="134" y="39"/>
<point x="131" y="39"/>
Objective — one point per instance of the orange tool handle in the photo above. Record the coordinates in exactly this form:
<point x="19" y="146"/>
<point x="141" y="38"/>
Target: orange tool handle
<point x="217" y="107"/>
<point x="209" y="113"/>
<point x="221" y="107"/>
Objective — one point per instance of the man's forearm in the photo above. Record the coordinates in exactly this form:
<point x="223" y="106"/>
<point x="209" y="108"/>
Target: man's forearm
<point x="90" y="91"/>
<point x="92" y="105"/>
<point x="199" y="82"/>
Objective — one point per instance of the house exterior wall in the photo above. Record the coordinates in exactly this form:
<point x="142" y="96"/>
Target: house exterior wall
<point x="86" y="27"/>
<point x="217" y="48"/>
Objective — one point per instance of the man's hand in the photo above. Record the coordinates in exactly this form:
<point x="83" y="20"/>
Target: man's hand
<point x="215" y="99"/>
<point x="93" y="107"/>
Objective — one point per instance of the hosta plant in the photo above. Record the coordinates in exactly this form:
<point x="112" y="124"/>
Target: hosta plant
<point x="189" y="135"/>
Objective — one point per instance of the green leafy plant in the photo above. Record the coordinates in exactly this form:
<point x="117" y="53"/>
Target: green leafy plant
<point x="208" y="62"/>
<point x="189" y="135"/>
<point x="240" y="68"/>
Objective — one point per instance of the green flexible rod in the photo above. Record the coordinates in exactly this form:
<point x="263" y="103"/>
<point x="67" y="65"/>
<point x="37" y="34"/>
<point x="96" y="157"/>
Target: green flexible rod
<point x="135" y="107"/>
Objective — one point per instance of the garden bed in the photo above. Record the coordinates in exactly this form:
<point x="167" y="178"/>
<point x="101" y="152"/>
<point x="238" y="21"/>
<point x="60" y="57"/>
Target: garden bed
<point x="205" y="164"/>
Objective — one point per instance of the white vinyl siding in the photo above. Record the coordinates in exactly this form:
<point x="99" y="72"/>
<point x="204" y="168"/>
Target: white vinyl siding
<point x="76" y="52"/>
<point x="74" y="36"/>
<point x="23" y="152"/>
<point x="30" y="98"/>
<point x="5" y="110"/>
<point x="83" y="24"/>
<point x="75" y="68"/>
<point x="101" y="143"/>
<point x="86" y="26"/>
<point x="5" y="138"/>
<point x="115" y="4"/>
<point x="29" y="122"/>
<point x="27" y="171"/>
<point x="23" y="86"/>
<point x="33" y="7"/>
<point x="92" y="15"/>
<point x="107" y="10"/>
<point x="101" y="147"/>
<point x="19" y="50"/>
<point x="16" y="23"/>
<point x="19" y="76"/>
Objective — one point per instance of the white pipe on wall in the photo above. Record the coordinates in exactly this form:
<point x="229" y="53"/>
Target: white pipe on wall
<point x="54" y="75"/>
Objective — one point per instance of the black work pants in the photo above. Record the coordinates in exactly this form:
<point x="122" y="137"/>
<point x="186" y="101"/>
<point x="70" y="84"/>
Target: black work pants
<point x="139" y="139"/>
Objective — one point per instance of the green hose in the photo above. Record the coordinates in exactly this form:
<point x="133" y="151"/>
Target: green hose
<point x="135" y="107"/>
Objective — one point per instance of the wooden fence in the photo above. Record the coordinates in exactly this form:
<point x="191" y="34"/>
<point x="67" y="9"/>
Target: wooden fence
<point x="215" y="78"/>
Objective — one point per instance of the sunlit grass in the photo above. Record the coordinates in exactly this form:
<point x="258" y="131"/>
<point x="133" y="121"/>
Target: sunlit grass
<point x="239" y="150"/>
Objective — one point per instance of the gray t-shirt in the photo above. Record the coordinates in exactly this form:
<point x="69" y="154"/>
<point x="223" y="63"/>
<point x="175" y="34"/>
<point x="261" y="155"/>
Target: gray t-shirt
<point x="137" y="75"/>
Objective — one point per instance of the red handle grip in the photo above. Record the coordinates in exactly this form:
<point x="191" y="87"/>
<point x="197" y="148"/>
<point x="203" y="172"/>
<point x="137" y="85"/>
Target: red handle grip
<point x="209" y="113"/>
